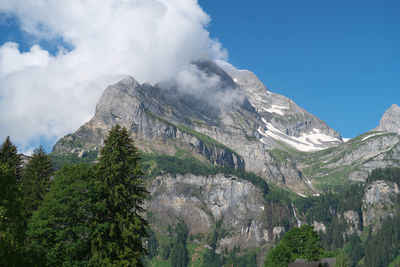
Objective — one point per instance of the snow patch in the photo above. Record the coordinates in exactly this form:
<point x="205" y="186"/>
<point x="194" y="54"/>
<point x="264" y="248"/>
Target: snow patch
<point x="345" y="140"/>
<point x="313" y="141"/>
<point x="275" y="109"/>
<point x="372" y="135"/>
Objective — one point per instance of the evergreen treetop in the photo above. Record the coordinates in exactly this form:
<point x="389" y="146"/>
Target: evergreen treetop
<point x="118" y="224"/>
<point x="36" y="179"/>
<point x="11" y="219"/>
<point x="10" y="156"/>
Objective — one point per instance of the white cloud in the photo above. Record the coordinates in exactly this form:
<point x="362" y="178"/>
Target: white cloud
<point x="47" y="96"/>
<point x="192" y="81"/>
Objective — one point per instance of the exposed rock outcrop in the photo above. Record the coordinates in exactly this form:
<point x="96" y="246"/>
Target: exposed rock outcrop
<point x="202" y="201"/>
<point x="379" y="202"/>
<point x="243" y="134"/>
<point x="352" y="219"/>
<point x="390" y="121"/>
<point x="319" y="227"/>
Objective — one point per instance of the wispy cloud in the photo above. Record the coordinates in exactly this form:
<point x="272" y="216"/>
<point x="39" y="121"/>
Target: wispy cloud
<point x="46" y="96"/>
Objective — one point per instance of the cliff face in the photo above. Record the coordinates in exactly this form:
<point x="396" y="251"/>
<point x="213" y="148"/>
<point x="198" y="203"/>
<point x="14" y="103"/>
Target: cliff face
<point x="390" y="121"/>
<point x="379" y="202"/>
<point x="203" y="201"/>
<point x="243" y="132"/>
<point x="237" y="135"/>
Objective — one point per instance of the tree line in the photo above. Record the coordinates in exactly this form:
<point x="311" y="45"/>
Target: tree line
<point x="371" y="249"/>
<point x="81" y="215"/>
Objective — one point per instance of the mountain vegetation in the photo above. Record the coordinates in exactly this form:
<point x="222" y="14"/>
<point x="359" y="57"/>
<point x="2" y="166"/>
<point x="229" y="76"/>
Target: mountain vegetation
<point x="12" y="234"/>
<point x="298" y="243"/>
<point x="84" y="215"/>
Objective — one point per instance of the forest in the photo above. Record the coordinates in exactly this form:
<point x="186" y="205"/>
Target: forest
<point x="81" y="215"/>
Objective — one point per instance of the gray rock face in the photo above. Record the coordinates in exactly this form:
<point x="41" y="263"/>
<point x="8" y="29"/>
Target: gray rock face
<point x="201" y="201"/>
<point x="390" y="121"/>
<point x="352" y="219"/>
<point x="379" y="202"/>
<point x="133" y="106"/>
<point x="319" y="227"/>
<point x="279" y="110"/>
<point x="161" y="118"/>
<point x="245" y="134"/>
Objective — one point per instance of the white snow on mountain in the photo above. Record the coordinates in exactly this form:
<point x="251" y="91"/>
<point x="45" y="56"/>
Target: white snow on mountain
<point x="312" y="141"/>
<point x="276" y="109"/>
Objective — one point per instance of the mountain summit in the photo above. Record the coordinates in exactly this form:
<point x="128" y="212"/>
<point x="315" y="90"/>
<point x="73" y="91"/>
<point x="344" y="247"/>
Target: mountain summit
<point x="227" y="117"/>
<point x="390" y="121"/>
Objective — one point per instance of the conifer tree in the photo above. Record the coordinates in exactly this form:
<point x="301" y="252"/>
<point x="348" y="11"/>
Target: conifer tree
<point x="59" y="231"/>
<point x="11" y="219"/>
<point x="36" y="179"/>
<point x="9" y="156"/>
<point x="118" y="225"/>
<point x="179" y="255"/>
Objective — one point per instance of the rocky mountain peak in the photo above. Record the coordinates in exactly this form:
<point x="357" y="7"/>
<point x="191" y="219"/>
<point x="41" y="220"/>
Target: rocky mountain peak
<point x="390" y="121"/>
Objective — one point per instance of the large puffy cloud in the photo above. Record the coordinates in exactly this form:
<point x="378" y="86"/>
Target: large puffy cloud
<point x="44" y="96"/>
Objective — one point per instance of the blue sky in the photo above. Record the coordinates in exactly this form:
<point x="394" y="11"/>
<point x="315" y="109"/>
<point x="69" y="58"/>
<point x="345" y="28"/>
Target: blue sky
<point x="339" y="60"/>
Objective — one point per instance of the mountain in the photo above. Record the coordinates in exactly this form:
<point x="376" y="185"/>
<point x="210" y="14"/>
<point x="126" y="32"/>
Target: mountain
<point x="390" y="121"/>
<point x="238" y="134"/>
<point x="210" y="145"/>
<point x="255" y="129"/>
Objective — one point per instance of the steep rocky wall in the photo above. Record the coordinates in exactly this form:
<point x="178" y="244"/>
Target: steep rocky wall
<point x="379" y="202"/>
<point x="202" y="201"/>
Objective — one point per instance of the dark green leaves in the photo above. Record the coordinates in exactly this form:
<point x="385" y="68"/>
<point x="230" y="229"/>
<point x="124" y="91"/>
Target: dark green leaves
<point x="59" y="232"/>
<point x="36" y="179"/>
<point x="300" y="242"/>
<point x="118" y="225"/>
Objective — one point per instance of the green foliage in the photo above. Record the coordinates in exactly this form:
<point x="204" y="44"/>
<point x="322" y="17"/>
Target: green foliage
<point x="354" y="249"/>
<point x="36" y="179"/>
<point x="164" y="252"/>
<point x="210" y="257"/>
<point x="373" y="250"/>
<point x="342" y="259"/>
<point x="300" y="242"/>
<point x="280" y="195"/>
<point x="387" y="174"/>
<point x="59" y="231"/>
<point x="10" y="157"/>
<point x="384" y="246"/>
<point x="118" y="227"/>
<point x="321" y="208"/>
<point x="59" y="160"/>
<point x="245" y="260"/>
<point x="11" y="219"/>
<point x="151" y="244"/>
<point x="333" y="237"/>
<point x="178" y="251"/>
<point x="325" y="209"/>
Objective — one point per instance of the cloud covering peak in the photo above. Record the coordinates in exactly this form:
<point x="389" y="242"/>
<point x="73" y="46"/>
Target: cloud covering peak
<point x="45" y="95"/>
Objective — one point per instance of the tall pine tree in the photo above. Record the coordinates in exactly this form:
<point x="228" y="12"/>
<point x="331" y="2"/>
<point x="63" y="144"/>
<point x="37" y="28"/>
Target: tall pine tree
<point x="9" y="156"/>
<point x="119" y="226"/>
<point x="59" y="231"/>
<point x="36" y="179"/>
<point x="11" y="219"/>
